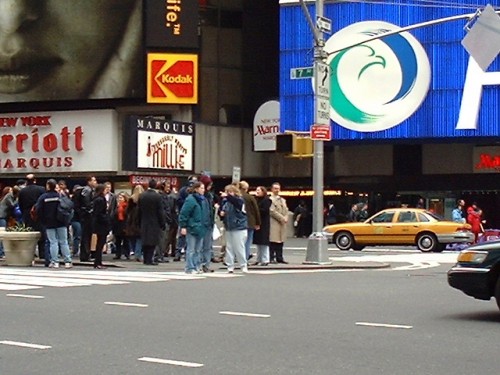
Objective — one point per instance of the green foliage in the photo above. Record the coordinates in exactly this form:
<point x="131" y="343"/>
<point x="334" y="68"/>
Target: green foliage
<point x="19" y="228"/>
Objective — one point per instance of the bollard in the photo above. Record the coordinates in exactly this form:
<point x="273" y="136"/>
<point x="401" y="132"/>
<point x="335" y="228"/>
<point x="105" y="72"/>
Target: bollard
<point x="317" y="250"/>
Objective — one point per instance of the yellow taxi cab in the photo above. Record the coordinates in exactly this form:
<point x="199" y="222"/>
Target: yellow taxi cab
<point x="400" y="226"/>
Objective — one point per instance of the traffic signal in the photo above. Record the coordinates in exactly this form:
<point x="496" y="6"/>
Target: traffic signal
<point x="294" y="145"/>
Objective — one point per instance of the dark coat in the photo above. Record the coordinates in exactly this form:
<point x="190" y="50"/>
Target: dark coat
<point x="101" y="221"/>
<point x="132" y="228"/>
<point x="46" y="210"/>
<point x="252" y="210"/>
<point x="28" y="196"/>
<point x="151" y="217"/>
<point x="261" y="236"/>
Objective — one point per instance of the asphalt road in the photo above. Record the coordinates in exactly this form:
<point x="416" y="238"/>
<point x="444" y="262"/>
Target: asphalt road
<point x="321" y="322"/>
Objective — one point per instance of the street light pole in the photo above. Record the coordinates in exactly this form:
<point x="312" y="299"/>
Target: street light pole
<point x="317" y="246"/>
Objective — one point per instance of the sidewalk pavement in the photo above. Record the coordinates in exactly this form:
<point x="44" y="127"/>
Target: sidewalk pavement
<point x="294" y="253"/>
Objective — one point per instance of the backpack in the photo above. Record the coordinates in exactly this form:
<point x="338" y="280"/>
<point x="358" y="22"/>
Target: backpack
<point x="65" y="210"/>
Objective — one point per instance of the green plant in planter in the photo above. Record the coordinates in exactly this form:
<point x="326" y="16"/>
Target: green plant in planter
<point x="20" y="228"/>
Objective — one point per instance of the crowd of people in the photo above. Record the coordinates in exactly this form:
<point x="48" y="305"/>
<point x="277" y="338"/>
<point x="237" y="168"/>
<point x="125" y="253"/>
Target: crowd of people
<point x="152" y="224"/>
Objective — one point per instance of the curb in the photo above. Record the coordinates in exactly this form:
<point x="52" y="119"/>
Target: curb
<point x="165" y="267"/>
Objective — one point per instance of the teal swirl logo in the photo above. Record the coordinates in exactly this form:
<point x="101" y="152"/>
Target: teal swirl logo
<point x="376" y="85"/>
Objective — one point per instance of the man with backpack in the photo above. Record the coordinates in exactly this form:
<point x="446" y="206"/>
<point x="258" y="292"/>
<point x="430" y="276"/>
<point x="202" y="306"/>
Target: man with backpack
<point x="55" y="220"/>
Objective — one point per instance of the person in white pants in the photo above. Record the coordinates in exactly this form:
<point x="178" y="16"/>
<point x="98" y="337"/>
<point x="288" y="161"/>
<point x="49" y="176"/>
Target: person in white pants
<point x="234" y="216"/>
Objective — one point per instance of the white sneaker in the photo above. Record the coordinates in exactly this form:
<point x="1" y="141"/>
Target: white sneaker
<point x="54" y="265"/>
<point x="68" y="265"/>
<point x="244" y="269"/>
<point x="230" y="270"/>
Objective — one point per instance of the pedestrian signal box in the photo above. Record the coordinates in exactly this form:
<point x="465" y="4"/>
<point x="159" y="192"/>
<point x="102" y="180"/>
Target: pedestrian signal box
<point x="294" y="145"/>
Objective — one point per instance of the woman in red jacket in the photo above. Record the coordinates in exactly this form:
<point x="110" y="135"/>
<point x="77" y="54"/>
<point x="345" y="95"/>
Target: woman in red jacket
<point x="474" y="219"/>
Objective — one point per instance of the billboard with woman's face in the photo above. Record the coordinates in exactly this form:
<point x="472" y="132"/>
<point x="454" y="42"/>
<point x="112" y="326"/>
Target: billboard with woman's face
<point x="69" y="50"/>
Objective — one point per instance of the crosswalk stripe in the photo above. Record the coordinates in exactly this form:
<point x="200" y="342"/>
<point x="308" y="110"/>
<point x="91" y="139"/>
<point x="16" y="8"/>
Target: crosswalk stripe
<point x="102" y="275"/>
<point x="12" y="279"/>
<point x="41" y="281"/>
<point x="18" y="287"/>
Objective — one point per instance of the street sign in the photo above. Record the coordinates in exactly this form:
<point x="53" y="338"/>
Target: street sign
<point x="302" y="73"/>
<point x="322" y="82"/>
<point x="322" y="110"/>
<point x="321" y="132"/>
<point x="322" y="93"/>
<point x="236" y="175"/>
<point x="324" y="24"/>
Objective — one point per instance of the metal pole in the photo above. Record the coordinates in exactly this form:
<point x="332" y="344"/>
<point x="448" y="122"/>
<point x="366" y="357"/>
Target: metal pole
<point x="317" y="247"/>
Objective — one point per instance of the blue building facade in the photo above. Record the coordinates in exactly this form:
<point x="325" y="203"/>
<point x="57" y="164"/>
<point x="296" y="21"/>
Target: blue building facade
<point x="437" y="117"/>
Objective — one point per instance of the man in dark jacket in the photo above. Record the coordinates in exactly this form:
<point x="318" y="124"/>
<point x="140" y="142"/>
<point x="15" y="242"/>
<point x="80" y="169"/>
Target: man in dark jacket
<point x="57" y="232"/>
<point x="152" y="221"/>
<point x="168" y="205"/>
<point x="84" y="210"/>
<point x="28" y="196"/>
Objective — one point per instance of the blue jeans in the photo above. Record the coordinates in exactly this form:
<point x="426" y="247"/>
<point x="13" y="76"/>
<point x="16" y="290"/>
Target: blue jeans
<point x="193" y="252"/>
<point x="3" y="224"/>
<point x="181" y="244"/>
<point x="249" y="241"/>
<point x="77" y="236"/>
<point x="58" y="238"/>
<point x="207" y="250"/>
<point x="136" y="247"/>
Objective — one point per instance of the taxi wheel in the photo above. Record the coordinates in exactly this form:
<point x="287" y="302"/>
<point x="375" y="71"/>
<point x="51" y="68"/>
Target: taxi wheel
<point x="497" y="292"/>
<point x="427" y="242"/>
<point x="344" y="240"/>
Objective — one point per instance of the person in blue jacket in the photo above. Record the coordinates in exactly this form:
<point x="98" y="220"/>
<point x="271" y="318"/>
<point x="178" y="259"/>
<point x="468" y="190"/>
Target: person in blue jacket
<point x="194" y="222"/>
<point x="235" y="220"/>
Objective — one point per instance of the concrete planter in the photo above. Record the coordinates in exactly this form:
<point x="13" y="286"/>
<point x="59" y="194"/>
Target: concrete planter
<point x="19" y="247"/>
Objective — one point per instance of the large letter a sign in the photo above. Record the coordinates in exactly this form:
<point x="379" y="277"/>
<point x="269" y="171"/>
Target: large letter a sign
<point x="172" y="78"/>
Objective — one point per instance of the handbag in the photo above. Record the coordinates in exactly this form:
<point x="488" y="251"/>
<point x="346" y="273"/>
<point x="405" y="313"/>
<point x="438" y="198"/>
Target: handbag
<point x="216" y="234"/>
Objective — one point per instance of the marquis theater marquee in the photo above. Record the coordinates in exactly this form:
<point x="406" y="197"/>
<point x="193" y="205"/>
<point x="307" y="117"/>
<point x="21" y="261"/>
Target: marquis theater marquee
<point x="162" y="145"/>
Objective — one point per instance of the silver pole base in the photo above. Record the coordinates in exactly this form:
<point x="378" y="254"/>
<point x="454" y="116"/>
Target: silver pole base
<point x="317" y="249"/>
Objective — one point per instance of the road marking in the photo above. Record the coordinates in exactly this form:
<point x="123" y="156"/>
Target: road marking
<point x="170" y="362"/>
<point x="244" y="314"/>
<point x="25" y="296"/>
<point x="383" y="325"/>
<point x="416" y="261"/>
<point x="17" y="287"/>
<point x="127" y="304"/>
<point x="25" y="345"/>
<point x="297" y="271"/>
